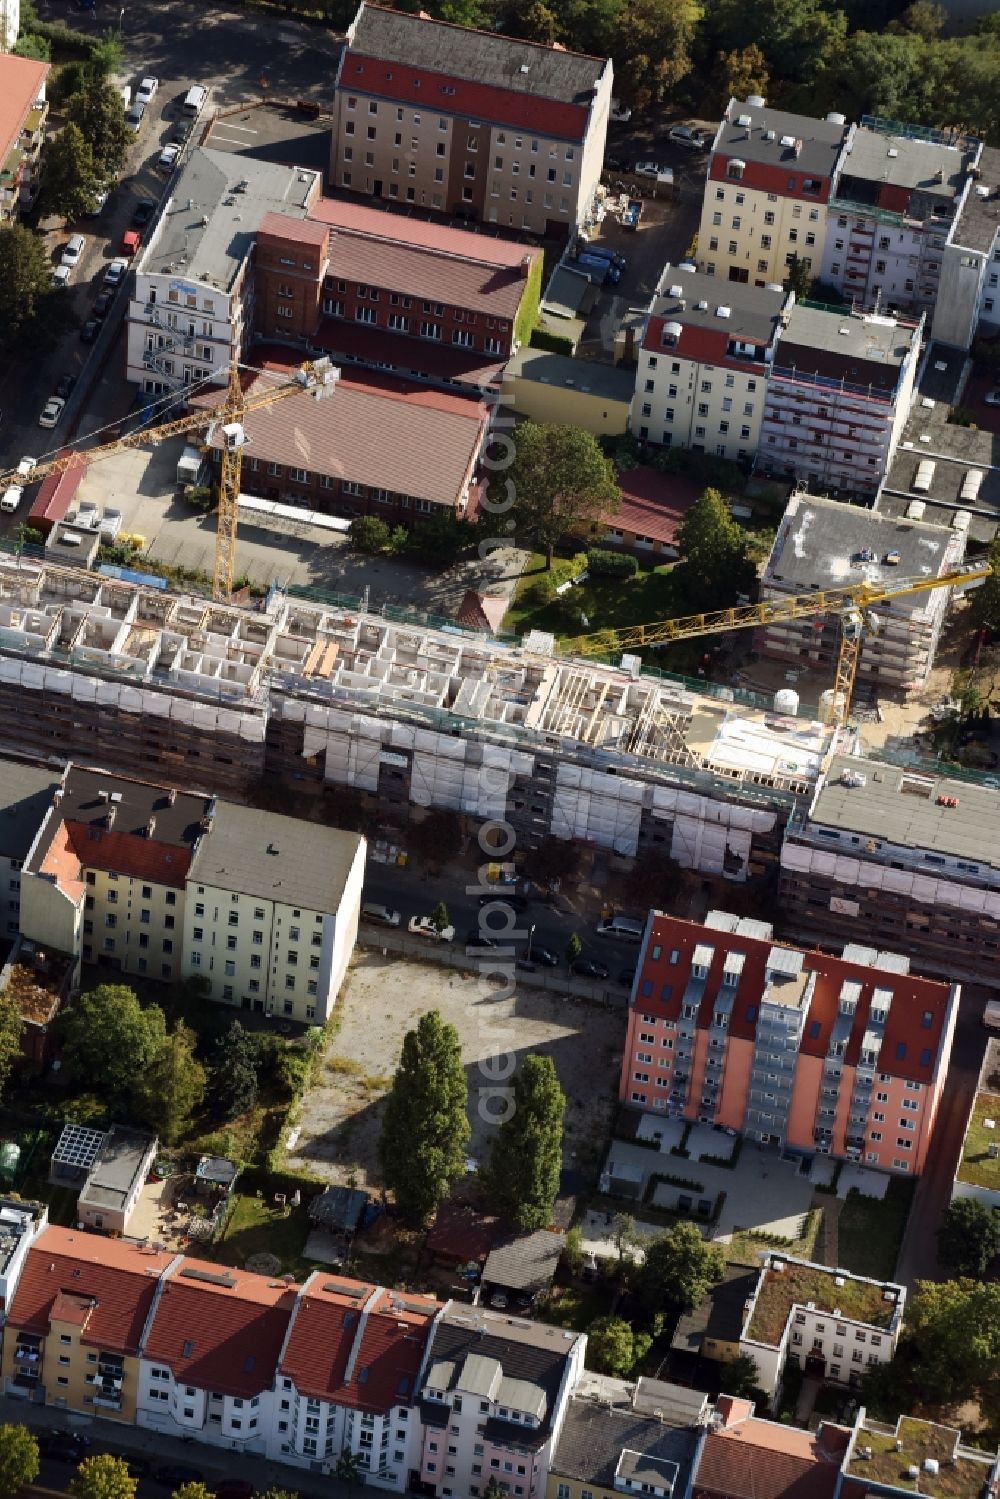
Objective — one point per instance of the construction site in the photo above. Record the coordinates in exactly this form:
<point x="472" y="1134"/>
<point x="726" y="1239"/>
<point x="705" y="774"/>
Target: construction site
<point x="213" y="694"/>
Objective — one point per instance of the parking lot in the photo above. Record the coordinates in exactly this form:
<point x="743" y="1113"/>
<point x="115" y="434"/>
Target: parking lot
<point x="382" y="998"/>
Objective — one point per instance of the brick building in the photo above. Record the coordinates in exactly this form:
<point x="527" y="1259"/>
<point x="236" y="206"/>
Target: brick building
<point x="844" y="1056"/>
<point x="467" y="122"/>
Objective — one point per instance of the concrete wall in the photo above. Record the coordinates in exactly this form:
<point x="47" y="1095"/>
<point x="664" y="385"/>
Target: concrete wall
<point x="602" y="415"/>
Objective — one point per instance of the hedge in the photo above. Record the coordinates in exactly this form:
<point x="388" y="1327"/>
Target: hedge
<point x="555" y="343"/>
<point x="605" y="564"/>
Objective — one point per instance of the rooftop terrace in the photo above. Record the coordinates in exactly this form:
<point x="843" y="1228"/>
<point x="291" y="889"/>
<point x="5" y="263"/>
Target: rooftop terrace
<point x="888" y="1454"/>
<point x="800" y="1283"/>
<point x="978" y="1168"/>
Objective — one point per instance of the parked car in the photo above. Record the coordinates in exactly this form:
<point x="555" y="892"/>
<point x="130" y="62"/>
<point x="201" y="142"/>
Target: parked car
<point x="115" y="272"/>
<point x="176" y="1475"/>
<point x="102" y="304"/>
<point x="61" y="275"/>
<point x="617" y="164"/>
<point x="11" y="497"/>
<point x="65" y="386"/>
<point x="504" y="898"/>
<point x="586" y="968"/>
<point x="381" y="915"/>
<point x="147" y="88"/>
<point x="620" y="111"/>
<point x="64" y="1446"/>
<point x="647" y="169"/>
<point x="111" y="524"/>
<point x="423" y="926"/>
<point x="182" y="131"/>
<point x="75" y="246"/>
<point x="542" y="957"/>
<point x="474" y="938"/>
<point x="134" y="117"/>
<point x="143" y="212"/>
<point x="168" y="157"/>
<point x="51" y="412"/>
<point x="131" y="240"/>
<point x="689" y="138"/>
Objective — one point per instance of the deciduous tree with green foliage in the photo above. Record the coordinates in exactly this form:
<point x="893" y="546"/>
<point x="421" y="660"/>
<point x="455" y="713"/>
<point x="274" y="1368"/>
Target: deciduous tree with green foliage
<point x="651" y="46"/>
<point x="103" y="1477"/>
<point x="98" y="110"/>
<point x="561" y="482"/>
<point x="110" y="1040"/>
<point x="614" y="1347"/>
<point x="679" y="1269"/>
<point x="172" y="1087"/>
<point x="193" y="1491"/>
<point x="984" y="601"/>
<point x="954" y="1327"/>
<point x="526" y="1159"/>
<point x="19" y="1461"/>
<point x="439" y="917"/>
<point x="369" y="534"/>
<point x="25" y="281"/>
<point x="969" y="1237"/>
<point x="740" y="1377"/>
<point x="713" y="550"/>
<point x="236" y="1071"/>
<point x="69" y="183"/>
<point x="11" y="1032"/>
<point x="798" y="277"/>
<point x="426" y="1128"/>
<point x="741" y="73"/>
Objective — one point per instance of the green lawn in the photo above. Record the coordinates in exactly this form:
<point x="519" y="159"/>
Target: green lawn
<point x="607" y="602"/>
<point x="256" y="1226"/>
<point x="978" y="1167"/>
<point x="870" y="1232"/>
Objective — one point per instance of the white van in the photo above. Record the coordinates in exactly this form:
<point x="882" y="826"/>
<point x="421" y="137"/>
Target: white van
<point x="194" y="100"/>
<point x="11" y="497"/>
<point x="621" y="927"/>
<point x="126" y="94"/>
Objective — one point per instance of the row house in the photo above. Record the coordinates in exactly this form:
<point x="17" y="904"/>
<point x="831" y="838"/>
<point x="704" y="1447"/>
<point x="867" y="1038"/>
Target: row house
<point x="770" y="177"/>
<point x="22" y="131"/>
<point x="825" y="544"/>
<point x="141" y="879"/>
<point x="321" y="455"/>
<point x="402" y="295"/>
<point x="703" y="364"/>
<point x="469" y="123"/>
<point x="894" y="201"/>
<point x="813" y="1053"/>
<point x="838" y="397"/>
<point x="886" y="853"/>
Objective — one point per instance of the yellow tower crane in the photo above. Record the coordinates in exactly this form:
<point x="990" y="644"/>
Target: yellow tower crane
<point x="853" y="603"/>
<point x="317" y="376"/>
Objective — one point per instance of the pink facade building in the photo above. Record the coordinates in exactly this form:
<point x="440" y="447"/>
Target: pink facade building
<point x="844" y="1056"/>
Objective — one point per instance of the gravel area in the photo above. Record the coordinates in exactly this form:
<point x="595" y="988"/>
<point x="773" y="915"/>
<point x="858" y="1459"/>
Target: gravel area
<point x="384" y="997"/>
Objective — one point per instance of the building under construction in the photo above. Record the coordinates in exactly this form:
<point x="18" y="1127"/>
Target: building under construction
<point x="214" y="695"/>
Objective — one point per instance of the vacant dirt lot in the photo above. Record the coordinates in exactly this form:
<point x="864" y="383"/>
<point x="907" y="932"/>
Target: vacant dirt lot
<point x="384" y="997"/>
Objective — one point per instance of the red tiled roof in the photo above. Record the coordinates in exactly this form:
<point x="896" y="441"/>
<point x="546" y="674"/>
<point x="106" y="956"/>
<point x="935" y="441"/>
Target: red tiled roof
<point x="459" y="1232"/>
<point x="740" y="1464"/>
<point x="913" y="997"/>
<point x="422" y="234"/>
<point x="700" y="345"/>
<point x="475" y="101"/>
<point x="295" y="231"/>
<point x="120" y="1278"/>
<point x="220" y="1334"/>
<point x="407" y="356"/>
<point x="21" y="81"/>
<point x="127" y="853"/>
<point x="652" y="504"/>
<point x="323" y="1333"/>
<point x="481" y="611"/>
<point x="427" y="444"/>
<point x="55" y="492"/>
<point x="325" y="1359"/>
<point x="391" y="1351"/>
<point x="75" y="1310"/>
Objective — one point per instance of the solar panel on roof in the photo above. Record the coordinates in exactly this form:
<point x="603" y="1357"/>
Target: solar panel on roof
<point x="78" y="1146"/>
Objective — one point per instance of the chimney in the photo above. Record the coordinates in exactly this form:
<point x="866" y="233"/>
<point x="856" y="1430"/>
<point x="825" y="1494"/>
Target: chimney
<point x="797" y="148"/>
<point x="151" y="827"/>
<point x="109" y="816"/>
<point x="525" y="267"/>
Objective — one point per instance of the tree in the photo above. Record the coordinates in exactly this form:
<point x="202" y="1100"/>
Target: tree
<point x="70" y="183"/>
<point x="614" y="1347"/>
<point x="573" y="1251"/>
<point x="425" y="1129"/>
<point x="437" y="838"/>
<point x="494" y="1489"/>
<point x="713" y="550"/>
<point x="526" y="1159"/>
<point x="173" y="1086"/>
<point x="25" y="281"/>
<point x="740" y="1377"/>
<point x="19" y="1460"/>
<point x="109" y="1040"/>
<point x="574" y="947"/>
<point x="679" y="1269"/>
<point x="103" y="1477"/>
<point x="923" y="17"/>
<point x="969" y="1237"/>
<point x="742" y="73"/>
<point x="984" y="601"/>
<point x="439" y="916"/>
<point x="348" y="1467"/>
<point x="562" y="482"/>
<point x="799" y="277"/>
<point x="100" y="114"/>
<point x="954" y="1327"/>
<point x="11" y="1031"/>
<point x="236" y="1071"/>
<point x="33" y="46"/>
<point x="369" y="534"/>
<point x="193" y="1491"/>
<point x="651" y="46"/>
<point x="106" y="55"/>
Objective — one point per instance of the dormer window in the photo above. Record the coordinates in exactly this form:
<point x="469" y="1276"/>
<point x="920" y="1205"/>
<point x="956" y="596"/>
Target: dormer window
<point x="735" y="169"/>
<point x="671" y="334"/>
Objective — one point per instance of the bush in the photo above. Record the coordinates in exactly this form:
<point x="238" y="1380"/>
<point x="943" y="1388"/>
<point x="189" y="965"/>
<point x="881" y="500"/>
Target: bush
<point x="605" y="564"/>
<point x="369" y="534"/>
<point x="555" y="343"/>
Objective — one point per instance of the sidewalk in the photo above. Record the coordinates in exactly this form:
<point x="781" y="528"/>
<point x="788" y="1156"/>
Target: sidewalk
<point x="216" y="1463"/>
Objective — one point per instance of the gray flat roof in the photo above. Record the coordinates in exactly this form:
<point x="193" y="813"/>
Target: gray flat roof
<point x="875" y="340"/>
<point x="819" y="543"/>
<point x="901" y="806"/>
<point x="480" y="56"/>
<point x="613" y="382"/>
<point x="26" y="793"/>
<point x="595" y="1439"/>
<point x="122" y="1157"/>
<point x="693" y="299"/>
<point x="215" y="209"/>
<point x="979" y="218"/>
<point x="954" y="451"/>
<point x="898" y="161"/>
<point x="821" y="139"/>
<point x="569" y="291"/>
<point x="278" y="858"/>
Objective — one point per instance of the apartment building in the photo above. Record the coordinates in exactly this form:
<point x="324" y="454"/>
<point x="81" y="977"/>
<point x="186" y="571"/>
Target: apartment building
<point x="320" y="455"/>
<point x="191" y="308"/>
<point x="26" y="793"/>
<point x="826" y="544"/>
<point x="978" y="1172"/>
<point x="745" y="1455"/>
<point x="626" y="1438"/>
<point x="838" y="397"/>
<point x="898" y="854"/>
<point x="770" y="176"/>
<point x="833" y="1325"/>
<point x="272" y="910"/>
<point x="493" y="1400"/>
<point x="469" y="123"/>
<point x="913" y="1456"/>
<point x="415" y="298"/>
<point x="968" y="299"/>
<point x="23" y="112"/>
<point x="894" y="200"/>
<point x="702" y="368"/>
<point x="845" y="1056"/>
<point x="140" y="878"/>
<point x="77" y="1320"/>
